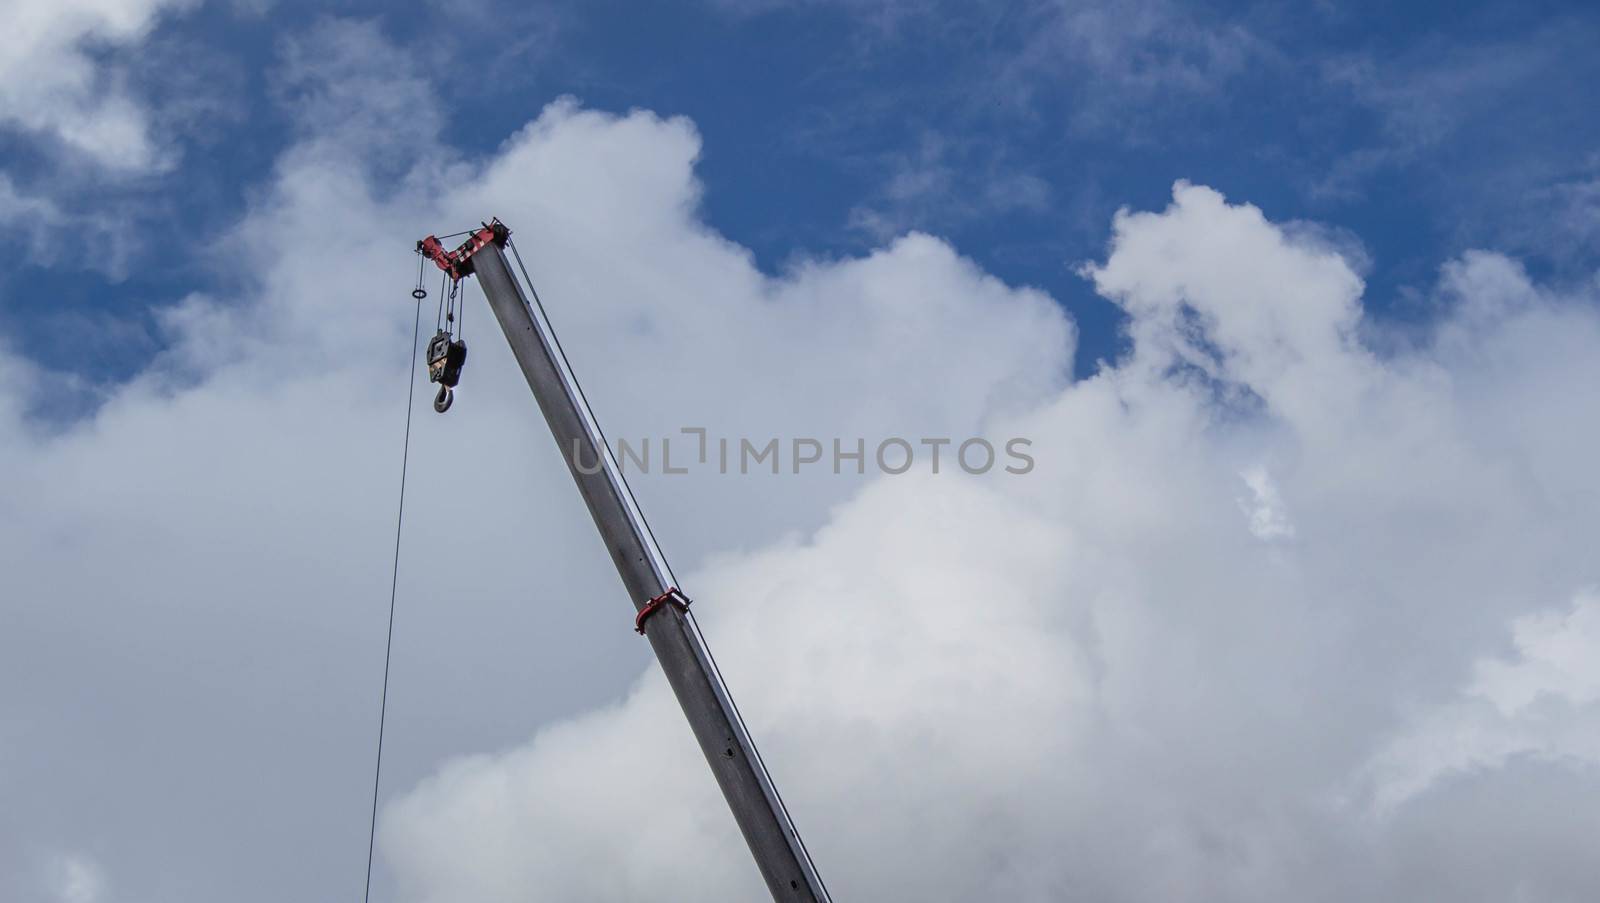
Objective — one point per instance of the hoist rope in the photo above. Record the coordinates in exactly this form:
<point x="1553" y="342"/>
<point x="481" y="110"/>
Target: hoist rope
<point x="571" y="375"/>
<point x="394" y="580"/>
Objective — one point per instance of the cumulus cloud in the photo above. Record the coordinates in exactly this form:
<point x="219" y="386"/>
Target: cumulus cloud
<point x="1095" y="680"/>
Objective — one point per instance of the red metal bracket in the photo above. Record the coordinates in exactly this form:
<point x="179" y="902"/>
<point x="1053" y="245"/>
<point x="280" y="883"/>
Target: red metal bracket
<point x="458" y="263"/>
<point x="671" y="597"/>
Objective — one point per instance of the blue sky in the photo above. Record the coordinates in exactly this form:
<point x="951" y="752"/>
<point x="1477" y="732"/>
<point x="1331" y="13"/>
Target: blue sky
<point x="1015" y="130"/>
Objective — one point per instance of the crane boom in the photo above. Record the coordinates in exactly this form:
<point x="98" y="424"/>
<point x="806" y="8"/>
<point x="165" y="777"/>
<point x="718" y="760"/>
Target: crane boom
<point x="661" y="609"/>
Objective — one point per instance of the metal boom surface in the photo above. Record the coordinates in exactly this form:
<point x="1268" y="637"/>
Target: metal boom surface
<point x="766" y="826"/>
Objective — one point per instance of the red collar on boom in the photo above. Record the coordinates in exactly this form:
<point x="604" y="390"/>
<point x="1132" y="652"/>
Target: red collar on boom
<point x="458" y="263"/>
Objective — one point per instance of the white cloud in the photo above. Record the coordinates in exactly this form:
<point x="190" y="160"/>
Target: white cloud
<point x="1092" y="682"/>
<point x="52" y="83"/>
<point x="74" y="878"/>
<point x="1556" y="656"/>
<point x="1539" y="703"/>
<point x="1265" y="509"/>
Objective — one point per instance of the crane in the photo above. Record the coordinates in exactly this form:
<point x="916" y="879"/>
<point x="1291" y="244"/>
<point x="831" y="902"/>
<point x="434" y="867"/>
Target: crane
<point x="661" y="609"/>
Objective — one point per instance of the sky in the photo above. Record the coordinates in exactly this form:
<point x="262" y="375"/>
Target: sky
<point x="1298" y="311"/>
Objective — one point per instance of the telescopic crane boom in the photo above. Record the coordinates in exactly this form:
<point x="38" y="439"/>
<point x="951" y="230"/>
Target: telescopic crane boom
<point x="661" y="608"/>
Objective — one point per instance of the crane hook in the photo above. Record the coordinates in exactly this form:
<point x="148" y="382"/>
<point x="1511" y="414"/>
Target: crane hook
<point x="446" y="355"/>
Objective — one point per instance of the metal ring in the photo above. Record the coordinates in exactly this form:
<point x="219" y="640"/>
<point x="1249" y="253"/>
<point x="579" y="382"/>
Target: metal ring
<point x="419" y="293"/>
